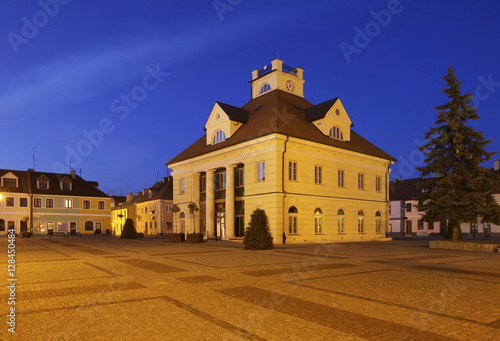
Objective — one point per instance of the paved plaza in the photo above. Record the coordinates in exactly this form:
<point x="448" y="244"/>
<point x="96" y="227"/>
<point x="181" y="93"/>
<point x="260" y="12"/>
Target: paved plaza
<point x="105" y="288"/>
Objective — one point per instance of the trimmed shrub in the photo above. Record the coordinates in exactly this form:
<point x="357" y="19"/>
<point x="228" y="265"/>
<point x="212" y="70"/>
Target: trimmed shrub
<point x="257" y="234"/>
<point x="129" y="231"/>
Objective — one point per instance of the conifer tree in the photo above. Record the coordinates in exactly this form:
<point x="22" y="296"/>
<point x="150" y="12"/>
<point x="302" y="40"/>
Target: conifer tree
<point x="257" y="234"/>
<point x="129" y="231"/>
<point x="460" y="190"/>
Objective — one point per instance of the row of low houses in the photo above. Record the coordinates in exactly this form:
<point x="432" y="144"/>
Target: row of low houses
<point x="406" y="219"/>
<point x="46" y="203"/>
<point x="150" y="210"/>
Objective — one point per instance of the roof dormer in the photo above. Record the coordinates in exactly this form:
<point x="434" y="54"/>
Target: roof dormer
<point x="9" y="180"/>
<point x="223" y="122"/>
<point x="66" y="184"/>
<point x="331" y="119"/>
<point x="42" y="182"/>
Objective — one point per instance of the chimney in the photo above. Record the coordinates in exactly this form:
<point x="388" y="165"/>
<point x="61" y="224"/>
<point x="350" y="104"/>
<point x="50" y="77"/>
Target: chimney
<point x="73" y="174"/>
<point x="130" y="197"/>
<point x="497" y="165"/>
<point x="165" y="179"/>
<point x="144" y="191"/>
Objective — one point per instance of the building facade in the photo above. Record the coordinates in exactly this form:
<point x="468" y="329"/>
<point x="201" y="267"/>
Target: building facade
<point x="43" y="203"/>
<point x="316" y="178"/>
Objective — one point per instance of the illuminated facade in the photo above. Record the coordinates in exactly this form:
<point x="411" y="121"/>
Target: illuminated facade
<point x="43" y="203"/>
<point x="316" y="179"/>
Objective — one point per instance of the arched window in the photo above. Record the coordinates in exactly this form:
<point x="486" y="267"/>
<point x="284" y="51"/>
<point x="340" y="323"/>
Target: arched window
<point x="336" y="133"/>
<point x="219" y="136"/>
<point x="361" y="218"/>
<point x="264" y="88"/>
<point x="183" y="222"/>
<point x="340" y="219"/>
<point x="89" y="226"/>
<point x="318" y="221"/>
<point x="378" y="221"/>
<point x="293" y="215"/>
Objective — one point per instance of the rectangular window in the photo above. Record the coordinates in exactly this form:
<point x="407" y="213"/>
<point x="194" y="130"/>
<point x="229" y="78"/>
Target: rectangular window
<point x="430" y="226"/>
<point x="10" y="183"/>
<point x="62" y="226"/>
<point x="377" y="183"/>
<point x="292" y="224"/>
<point x="66" y="186"/>
<point x="341" y="225"/>
<point x="261" y="171"/>
<point x="361" y="227"/>
<point x="292" y="171"/>
<point x="408" y="207"/>
<point x="43" y="185"/>
<point x="98" y="226"/>
<point x="239" y="177"/>
<point x="203" y="187"/>
<point x="37" y="202"/>
<point x="377" y="225"/>
<point x="68" y="203"/>
<point x="341" y="178"/>
<point x="318" y="175"/>
<point x="86" y="204"/>
<point x="169" y="208"/>
<point x="182" y="186"/>
<point x="420" y="224"/>
<point x="101" y="205"/>
<point x="49" y="203"/>
<point x="23" y="202"/>
<point x="361" y="181"/>
<point x="9" y="201"/>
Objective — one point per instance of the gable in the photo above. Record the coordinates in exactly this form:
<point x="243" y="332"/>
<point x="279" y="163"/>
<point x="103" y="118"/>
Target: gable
<point x="330" y="114"/>
<point x="223" y="122"/>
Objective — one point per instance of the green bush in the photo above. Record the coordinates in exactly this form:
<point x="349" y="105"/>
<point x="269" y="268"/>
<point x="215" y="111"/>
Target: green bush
<point x="257" y="234"/>
<point x="129" y="231"/>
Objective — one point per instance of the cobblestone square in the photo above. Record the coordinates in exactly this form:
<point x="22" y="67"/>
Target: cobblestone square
<point x="106" y="288"/>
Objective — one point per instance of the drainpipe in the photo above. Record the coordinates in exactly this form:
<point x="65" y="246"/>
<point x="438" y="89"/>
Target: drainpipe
<point x="30" y="194"/>
<point x="283" y="183"/>
<point x="387" y="197"/>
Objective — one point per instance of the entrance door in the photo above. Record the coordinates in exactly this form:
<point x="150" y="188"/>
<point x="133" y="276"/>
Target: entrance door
<point x="221" y="224"/>
<point x="408" y="227"/>
<point x="24" y="226"/>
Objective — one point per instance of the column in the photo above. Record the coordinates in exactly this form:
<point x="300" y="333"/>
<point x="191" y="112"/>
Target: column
<point x="230" y="200"/>
<point x="195" y="197"/>
<point x="210" y="214"/>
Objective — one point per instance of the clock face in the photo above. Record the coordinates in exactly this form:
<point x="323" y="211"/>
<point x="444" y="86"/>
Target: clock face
<point x="289" y="85"/>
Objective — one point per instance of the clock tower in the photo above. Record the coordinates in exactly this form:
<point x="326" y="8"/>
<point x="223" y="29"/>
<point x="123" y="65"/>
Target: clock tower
<point x="277" y="76"/>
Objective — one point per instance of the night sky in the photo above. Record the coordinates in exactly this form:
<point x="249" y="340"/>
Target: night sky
<point x="121" y="87"/>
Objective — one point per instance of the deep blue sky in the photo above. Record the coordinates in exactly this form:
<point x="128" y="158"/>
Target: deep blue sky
<point x="63" y="77"/>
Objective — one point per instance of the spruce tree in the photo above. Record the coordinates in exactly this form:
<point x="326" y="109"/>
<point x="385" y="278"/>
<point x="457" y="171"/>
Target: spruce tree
<point x="460" y="190"/>
<point x="129" y="231"/>
<point x="257" y="234"/>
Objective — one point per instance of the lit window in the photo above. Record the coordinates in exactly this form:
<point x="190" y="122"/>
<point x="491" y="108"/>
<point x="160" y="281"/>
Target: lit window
<point x="292" y="171"/>
<point x="340" y="219"/>
<point x="68" y="203"/>
<point x="336" y="133"/>
<point x="361" y="218"/>
<point x="361" y="181"/>
<point x="318" y="175"/>
<point x="219" y="137"/>
<point x="182" y="186"/>
<point x="265" y="87"/>
<point x="261" y="171"/>
<point x="318" y="221"/>
<point x="377" y="183"/>
<point x="341" y="178"/>
<point x="101" y="205"/>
